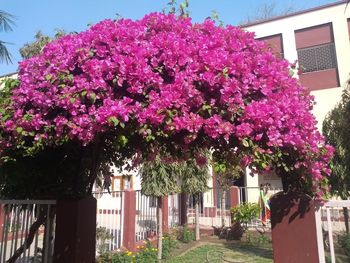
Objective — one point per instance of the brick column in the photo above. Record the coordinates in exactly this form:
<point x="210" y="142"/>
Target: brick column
<point x="75" y="237"/>
<point x="2" y="218"/>
<point x="165" y="210"/>
<point x="234" y="196"/>
<point x="129" y="228"/>
<point x="294" y="236"/>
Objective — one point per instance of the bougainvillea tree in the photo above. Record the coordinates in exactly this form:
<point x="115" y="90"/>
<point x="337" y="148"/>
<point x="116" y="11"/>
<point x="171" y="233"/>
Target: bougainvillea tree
<point x="127" y="88"/>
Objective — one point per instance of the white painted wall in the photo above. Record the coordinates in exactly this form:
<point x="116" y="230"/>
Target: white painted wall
<point x="325" y="99"/>
<point x="337" y="15"/>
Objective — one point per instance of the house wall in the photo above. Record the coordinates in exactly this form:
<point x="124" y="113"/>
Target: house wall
<point x="2" y="78"/>
<point x="326" y="98"/>
<point x="337" y="15"/>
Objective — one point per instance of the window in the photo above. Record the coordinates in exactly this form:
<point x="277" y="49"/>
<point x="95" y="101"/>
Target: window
<point x="275" y="42"/>
<point x="317" y="58"/>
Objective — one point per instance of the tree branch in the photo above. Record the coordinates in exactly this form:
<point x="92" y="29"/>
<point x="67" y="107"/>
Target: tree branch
<point x="29" y="239"/>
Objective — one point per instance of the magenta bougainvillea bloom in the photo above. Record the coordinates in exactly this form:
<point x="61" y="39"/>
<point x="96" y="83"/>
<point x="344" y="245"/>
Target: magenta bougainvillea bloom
<point x="165" y="79"/>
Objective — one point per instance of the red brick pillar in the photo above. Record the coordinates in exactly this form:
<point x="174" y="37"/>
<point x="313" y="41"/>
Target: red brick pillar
<point x="234" y="196"/>
<point x="129" y="230"/>
<point x="294" y="236"/>
<point x="165" y="212"/>
<point x="215" y="187"/>
<point x="2" y="218"/>
<point x="75" y="237"/>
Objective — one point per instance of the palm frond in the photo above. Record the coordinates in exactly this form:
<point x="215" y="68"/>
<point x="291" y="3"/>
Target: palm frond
<point x="5" y="55"/>
<point x="7" y="21"/>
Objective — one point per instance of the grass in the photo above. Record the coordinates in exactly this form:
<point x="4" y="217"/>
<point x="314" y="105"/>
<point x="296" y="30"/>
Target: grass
<point x="215" y="253"/>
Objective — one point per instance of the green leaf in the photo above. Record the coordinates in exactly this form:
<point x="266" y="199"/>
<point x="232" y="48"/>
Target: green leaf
<point x="113" y="120"/>
<point x="93" y="97"/>
<point x="245" y="143"/>
<point x="19" y="129"/>
<point x="48" y="77"/>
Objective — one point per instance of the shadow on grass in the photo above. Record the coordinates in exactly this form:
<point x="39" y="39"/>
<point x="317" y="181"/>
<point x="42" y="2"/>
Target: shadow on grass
<point x="263" y="251"/>
<point x="226" y="252"/>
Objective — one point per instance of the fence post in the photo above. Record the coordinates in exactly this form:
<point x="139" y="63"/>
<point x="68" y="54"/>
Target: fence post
<point x="2" y="218"/>
<point x="129" y="228"/>
<point x="165" y="212"/>
<point x="234" y="196"/>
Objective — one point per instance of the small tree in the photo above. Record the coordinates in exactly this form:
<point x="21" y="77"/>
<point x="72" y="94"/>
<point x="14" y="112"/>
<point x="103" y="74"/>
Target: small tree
<point x="227" y="167"/>
<point x="336" y="130"/>
<point x="36" y="47"/>
<point x="194" y="181"/>
<point x="159" y="179"/>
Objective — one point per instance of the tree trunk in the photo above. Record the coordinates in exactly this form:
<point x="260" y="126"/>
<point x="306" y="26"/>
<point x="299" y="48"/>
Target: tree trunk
<point x="29" y="238"/>
<point x="346" y="218"/>
<point x="160" y="227"/>
<point x="197" y="217"/>
<point x="223" y="206"/>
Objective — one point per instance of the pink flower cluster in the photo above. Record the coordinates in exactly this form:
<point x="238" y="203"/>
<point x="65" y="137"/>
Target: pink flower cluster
<point x="207" y="85"/>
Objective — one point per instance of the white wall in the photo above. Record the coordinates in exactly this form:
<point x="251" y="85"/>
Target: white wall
<point x="337" y="15"/>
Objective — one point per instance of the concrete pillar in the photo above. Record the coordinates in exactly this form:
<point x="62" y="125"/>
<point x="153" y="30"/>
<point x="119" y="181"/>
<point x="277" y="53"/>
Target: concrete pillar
<point x="215" y="188"/>
<point x="252" y="184"/>
<point x="129" y="240"/>
<point x="75" y="237"/>
<point x="165" y="212"/>
<point x="294" y="236"/>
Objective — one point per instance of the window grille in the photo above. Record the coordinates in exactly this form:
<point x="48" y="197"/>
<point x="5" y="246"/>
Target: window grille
<point x="317" y="58"/>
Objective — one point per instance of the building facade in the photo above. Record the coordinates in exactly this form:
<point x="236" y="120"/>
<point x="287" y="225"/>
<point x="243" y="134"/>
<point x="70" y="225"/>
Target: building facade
<point x="318" y="40"/>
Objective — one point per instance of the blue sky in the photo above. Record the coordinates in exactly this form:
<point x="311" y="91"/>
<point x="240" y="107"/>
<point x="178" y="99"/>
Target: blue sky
<point x="75" y="15"/>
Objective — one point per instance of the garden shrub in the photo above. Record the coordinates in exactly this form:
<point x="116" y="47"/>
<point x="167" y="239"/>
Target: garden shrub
<point x="245" y="213"/>
<point x="345" y="243"/>
<point x="102" y="236"/>
<point x="169" y="243"/>
<point x="145" y="254"/>
<point x="186" y="235"/>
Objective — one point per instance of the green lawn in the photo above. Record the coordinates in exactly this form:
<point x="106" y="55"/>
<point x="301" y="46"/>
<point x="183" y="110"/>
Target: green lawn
<point x="214" y="253"/>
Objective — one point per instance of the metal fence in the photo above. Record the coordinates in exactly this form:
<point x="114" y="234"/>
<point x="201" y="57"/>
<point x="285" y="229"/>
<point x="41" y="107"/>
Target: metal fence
<point x="146" y="216"/>
<point x="210" y="208"/>
<point x="174" y="211"/>
<point x="19" y="236"/>
<point x="331" y="231"/>
<point x="211" y="212"/>
<point x="110" y="207"/>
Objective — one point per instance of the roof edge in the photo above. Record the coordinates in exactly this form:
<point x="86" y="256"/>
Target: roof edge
<point x="8" y="74"/>
<point x="294" y="13"/>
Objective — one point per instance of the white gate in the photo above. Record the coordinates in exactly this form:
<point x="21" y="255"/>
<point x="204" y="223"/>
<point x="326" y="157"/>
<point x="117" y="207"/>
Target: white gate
<point x="330" y="225"/>
<point x="109" y="220"/>
<point x="19" y="234"/>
